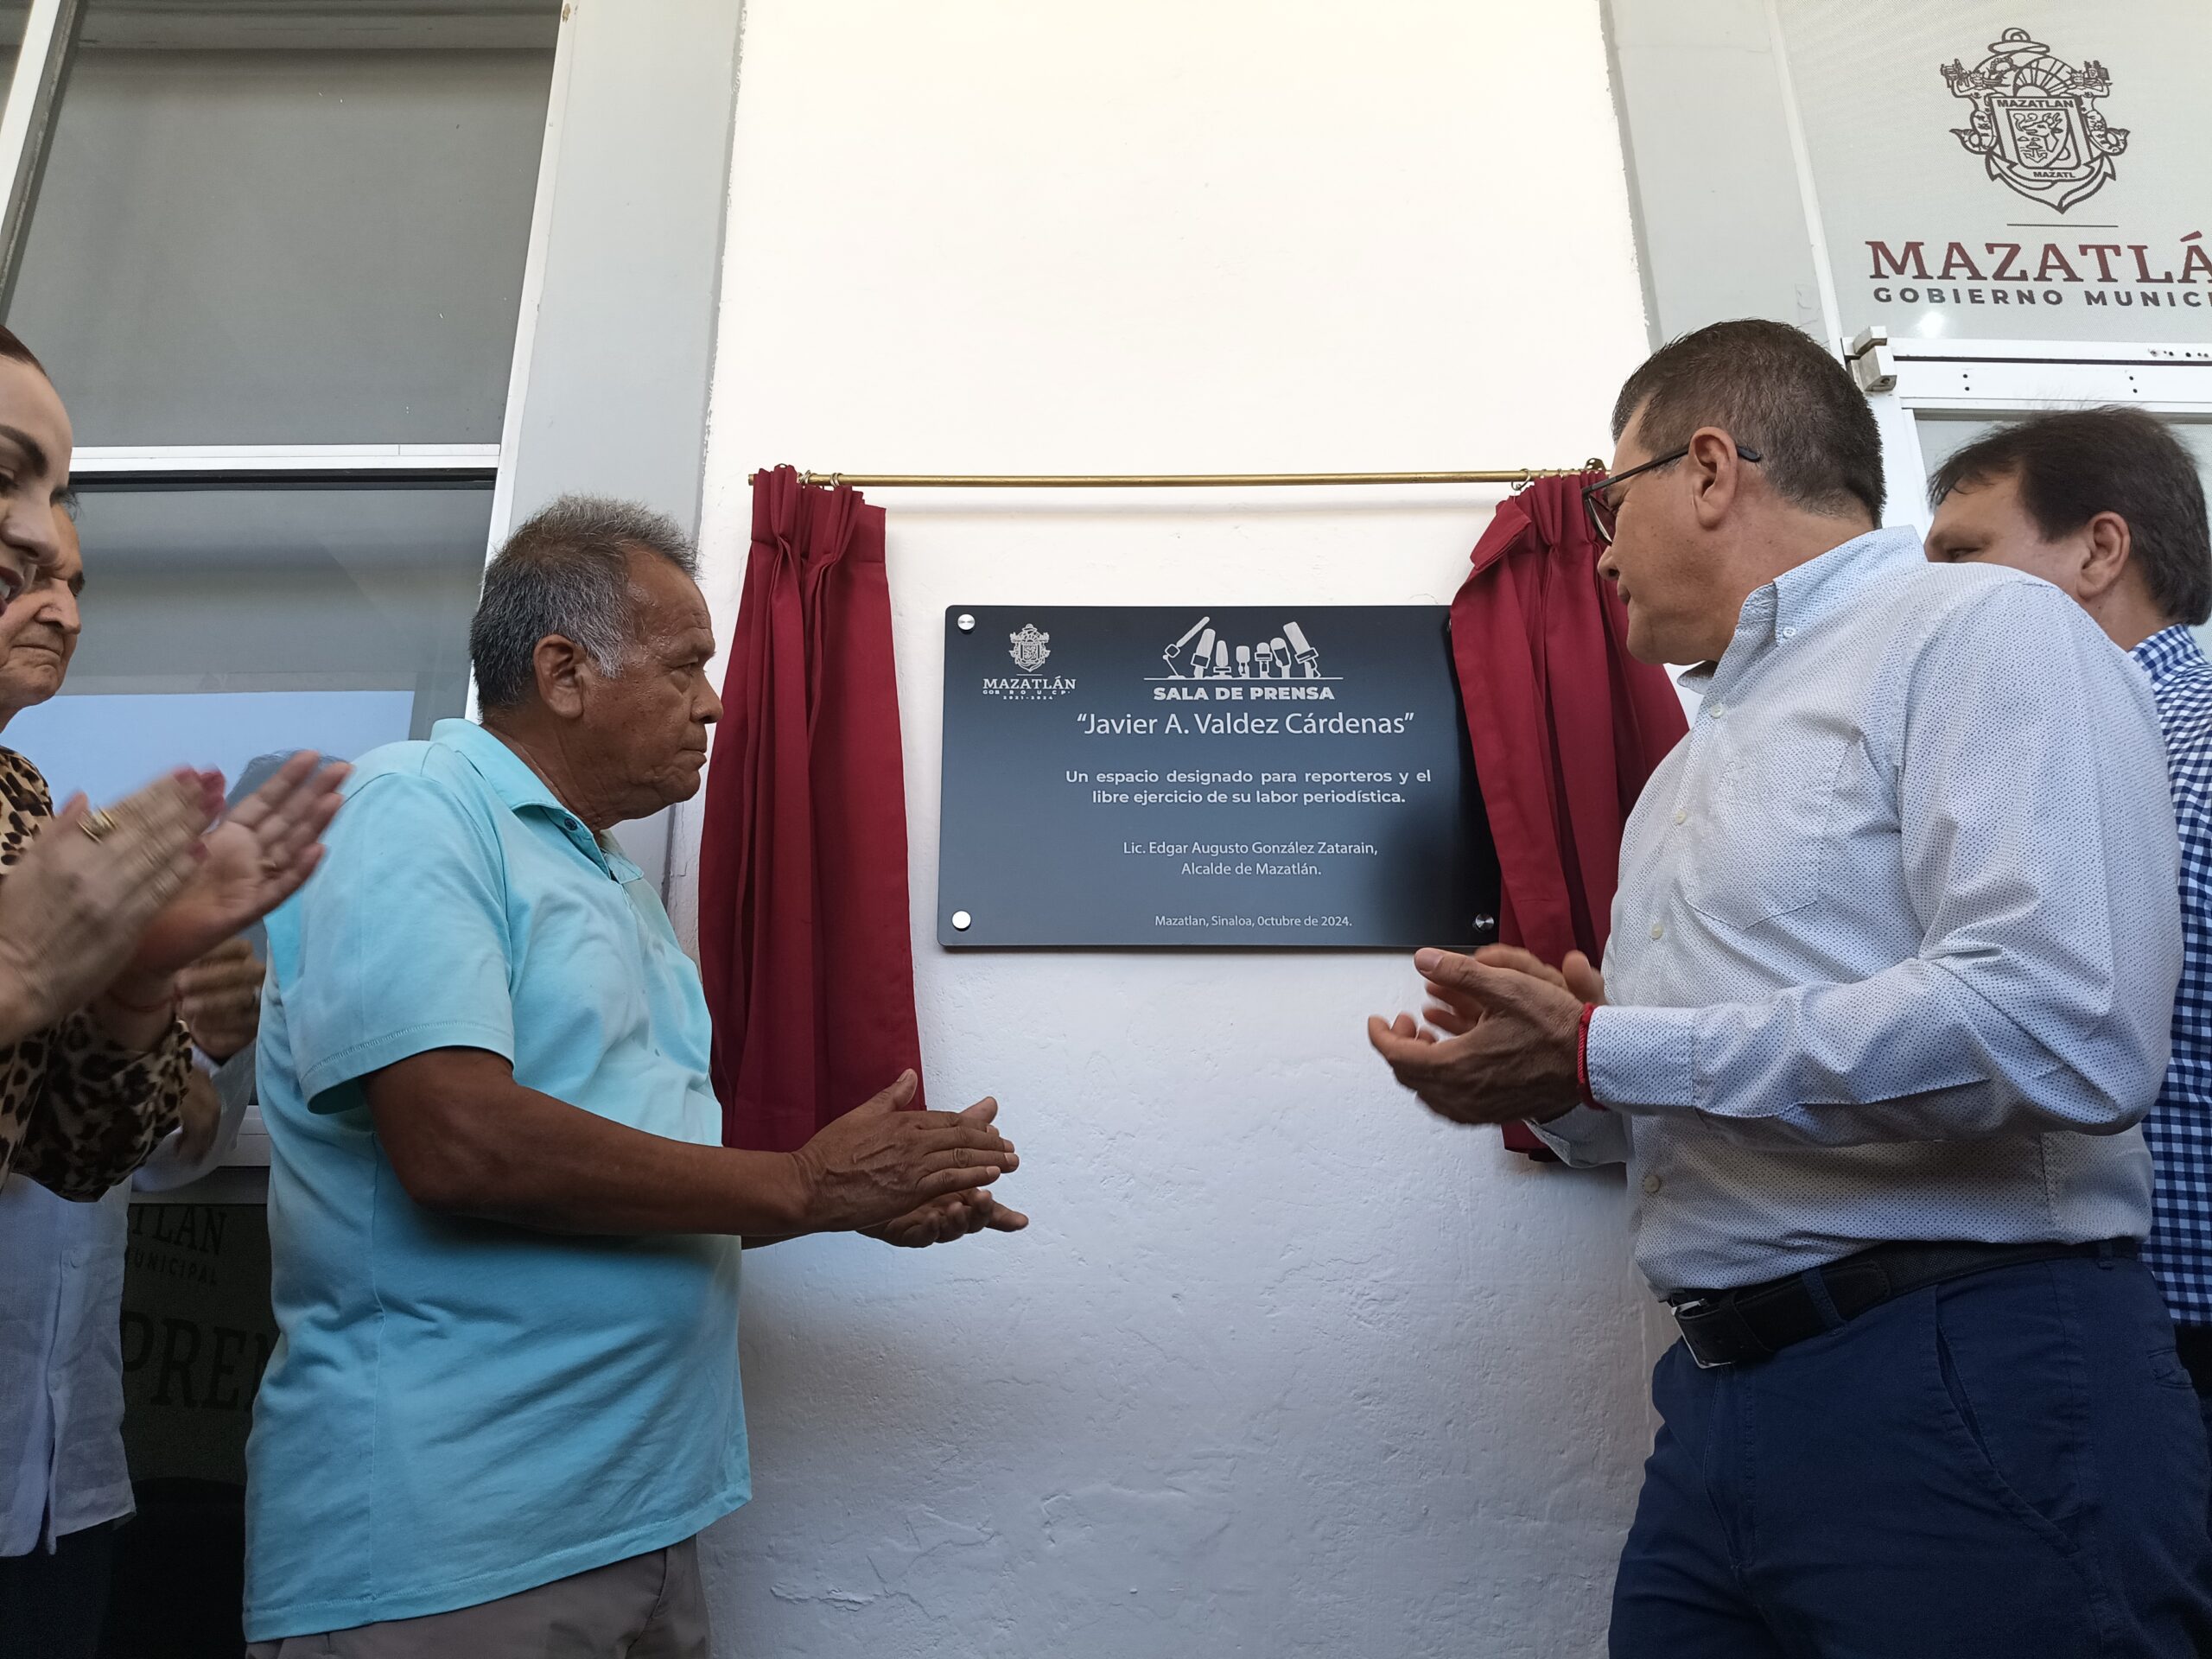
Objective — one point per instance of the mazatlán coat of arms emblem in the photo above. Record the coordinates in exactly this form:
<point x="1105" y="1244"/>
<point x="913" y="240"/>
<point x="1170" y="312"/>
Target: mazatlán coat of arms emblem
<point x="1030" y="649"/>
<point x="2034" y="123"/>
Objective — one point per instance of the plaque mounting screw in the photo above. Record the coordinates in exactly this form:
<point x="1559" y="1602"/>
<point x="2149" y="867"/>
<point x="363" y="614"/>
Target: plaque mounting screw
<point x="962" y="921"/>
<point x="967" y="623"/>
<point x="1484" y="924"/>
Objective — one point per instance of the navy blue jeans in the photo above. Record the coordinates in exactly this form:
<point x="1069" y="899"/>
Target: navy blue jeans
<point x="2010" y="1464"/>
<point x="2204" y="1406"/>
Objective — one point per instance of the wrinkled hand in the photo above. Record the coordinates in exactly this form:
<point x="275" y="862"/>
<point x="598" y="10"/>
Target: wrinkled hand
<point x="73" y="909"/>
<point x="219" y="997"/>
<point x="256" y="858"/>
<point x="1453" y="1011"/>
<point x="954" y="1216"/>
<point x="1515" y="1060"/>
<point x="878" y="1163"/>
<point x="942" y="1220"/>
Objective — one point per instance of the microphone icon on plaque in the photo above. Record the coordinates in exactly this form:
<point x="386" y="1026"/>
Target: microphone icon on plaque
<point x="1175" y="650"/>
<point x="1287" y="655"/>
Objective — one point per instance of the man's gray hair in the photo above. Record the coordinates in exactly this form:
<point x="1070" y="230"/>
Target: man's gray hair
<point x="566" y="572"/>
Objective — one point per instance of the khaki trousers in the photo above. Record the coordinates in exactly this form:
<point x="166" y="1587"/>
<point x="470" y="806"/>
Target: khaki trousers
<point x="651" y="1606"/>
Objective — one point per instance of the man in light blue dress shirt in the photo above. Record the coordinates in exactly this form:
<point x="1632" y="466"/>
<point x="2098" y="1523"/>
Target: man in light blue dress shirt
<point x="1892" y="961"/>
<point x="504" y="1232"/>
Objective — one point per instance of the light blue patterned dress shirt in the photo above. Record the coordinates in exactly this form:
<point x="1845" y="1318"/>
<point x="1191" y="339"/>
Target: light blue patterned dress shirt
<point x="1895" y="946"/>
<point x="2179" y="1130"/>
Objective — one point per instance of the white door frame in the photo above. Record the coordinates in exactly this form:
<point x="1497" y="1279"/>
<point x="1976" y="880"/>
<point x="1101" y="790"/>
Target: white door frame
<point x="2005" y="380"/>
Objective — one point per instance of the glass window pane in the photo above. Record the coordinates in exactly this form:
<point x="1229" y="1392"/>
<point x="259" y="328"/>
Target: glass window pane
<point x="287" y="225"/>
<point x="223" y="624"/>
<point x="12" y="44"/>
<point x="2010" y="169"/>
<point x="1943" y="436"/>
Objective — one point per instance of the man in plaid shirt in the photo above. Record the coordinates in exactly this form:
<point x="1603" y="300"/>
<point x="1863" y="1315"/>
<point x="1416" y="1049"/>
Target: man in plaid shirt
<point x="2104" y="504"/>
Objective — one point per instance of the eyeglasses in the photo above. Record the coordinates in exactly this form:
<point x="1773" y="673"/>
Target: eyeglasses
<point x="1604" y="510"/>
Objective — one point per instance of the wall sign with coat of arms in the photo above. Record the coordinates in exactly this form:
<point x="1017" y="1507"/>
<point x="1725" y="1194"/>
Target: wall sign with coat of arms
<point x="2035" y="121"/>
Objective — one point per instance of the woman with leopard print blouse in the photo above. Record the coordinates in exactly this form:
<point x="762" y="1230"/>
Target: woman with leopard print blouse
<point x="79" y="1109"/>
<point x="100" y="911"/>
<point x="88" y="1087"/>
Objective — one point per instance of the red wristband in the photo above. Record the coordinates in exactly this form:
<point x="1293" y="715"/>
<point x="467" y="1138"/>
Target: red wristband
<point x="1582" y="1053"/>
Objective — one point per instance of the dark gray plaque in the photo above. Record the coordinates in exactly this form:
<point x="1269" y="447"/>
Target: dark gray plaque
<point x="1137" y="775"/>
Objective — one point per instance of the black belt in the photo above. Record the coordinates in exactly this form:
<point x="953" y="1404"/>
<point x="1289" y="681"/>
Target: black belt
<point x="1734" y="1327"/>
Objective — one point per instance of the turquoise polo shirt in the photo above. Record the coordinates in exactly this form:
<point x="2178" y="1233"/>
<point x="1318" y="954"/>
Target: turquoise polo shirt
<point x="457" y="1410"/>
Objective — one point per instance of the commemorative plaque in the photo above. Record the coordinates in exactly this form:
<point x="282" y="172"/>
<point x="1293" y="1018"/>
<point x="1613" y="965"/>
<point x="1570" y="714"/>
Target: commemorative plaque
<point x="1239" y="776"/>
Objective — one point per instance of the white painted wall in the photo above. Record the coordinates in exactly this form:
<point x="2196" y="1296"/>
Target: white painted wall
<point x="1284" y="1366"/>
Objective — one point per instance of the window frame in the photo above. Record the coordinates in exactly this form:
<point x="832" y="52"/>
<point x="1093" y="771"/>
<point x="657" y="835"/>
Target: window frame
<point x="51" y="35"/>
<point x="2000" y="379"/>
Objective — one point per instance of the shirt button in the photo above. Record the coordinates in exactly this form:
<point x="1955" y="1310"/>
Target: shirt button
<point x="1652" y="1184"/>
<point x="1789" y="633"/>
<point x="1681" y="815"/>
<point x="1716" y="710"/>
<point x="1658" y="930"/>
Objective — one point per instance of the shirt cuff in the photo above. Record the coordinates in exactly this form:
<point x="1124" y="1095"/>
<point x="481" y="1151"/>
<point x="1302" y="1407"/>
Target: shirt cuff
<point x="1642" y="1059"/>
<point x="167" y="1169"/>
<point x="1584" y="1137"/>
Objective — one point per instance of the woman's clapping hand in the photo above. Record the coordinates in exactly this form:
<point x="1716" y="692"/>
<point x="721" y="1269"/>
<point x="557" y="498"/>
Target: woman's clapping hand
<point x="256" y="858"/>
<point x="75" y="907"/>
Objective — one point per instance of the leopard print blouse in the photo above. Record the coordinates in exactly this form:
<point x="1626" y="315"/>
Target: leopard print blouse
<point x="77" y="1113"/>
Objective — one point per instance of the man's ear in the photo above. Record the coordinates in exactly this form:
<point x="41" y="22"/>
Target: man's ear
<point x="1716" y="473"/>
<point x="559" y="666"/>
<point x="2105" y="545"/>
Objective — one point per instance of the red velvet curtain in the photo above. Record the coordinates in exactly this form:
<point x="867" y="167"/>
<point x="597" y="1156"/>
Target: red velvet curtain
<point x="804" y="934"/>
<point x="1564" y="724"/>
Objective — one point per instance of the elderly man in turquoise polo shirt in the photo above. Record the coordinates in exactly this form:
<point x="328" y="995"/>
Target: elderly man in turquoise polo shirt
<point x="504" y="1235"/>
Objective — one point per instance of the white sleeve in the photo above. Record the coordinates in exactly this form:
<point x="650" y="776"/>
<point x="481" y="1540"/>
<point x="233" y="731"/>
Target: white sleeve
<point x="167" y="1169"/>
<point x="1586" y="1137"/>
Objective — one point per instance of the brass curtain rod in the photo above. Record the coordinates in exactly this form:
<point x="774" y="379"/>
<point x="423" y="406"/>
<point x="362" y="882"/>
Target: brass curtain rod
<point x="1174" y="480"/>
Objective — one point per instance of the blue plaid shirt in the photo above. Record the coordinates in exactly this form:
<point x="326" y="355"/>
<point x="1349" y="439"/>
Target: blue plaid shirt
<point x="2179" y="1128"/>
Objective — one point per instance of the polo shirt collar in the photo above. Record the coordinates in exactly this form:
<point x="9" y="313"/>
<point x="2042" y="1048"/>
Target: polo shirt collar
<point x="509" y="777"/>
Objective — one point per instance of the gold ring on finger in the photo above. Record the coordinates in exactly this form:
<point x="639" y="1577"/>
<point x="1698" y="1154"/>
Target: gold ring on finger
<point x="97" y="825"/>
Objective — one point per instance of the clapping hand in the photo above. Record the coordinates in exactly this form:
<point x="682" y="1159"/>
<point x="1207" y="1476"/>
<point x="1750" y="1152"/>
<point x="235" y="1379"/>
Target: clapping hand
<point x="1453" y="1011"/>
<point x="1510" y="1028"/>
<point x="942" y="1220"/>
<point x="256" y="858"/>
<point x="219" y="999"/>
<point x="879" y="1165"/>
<point x="954" y="1215"/>
<point x="76" y="904"/>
